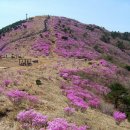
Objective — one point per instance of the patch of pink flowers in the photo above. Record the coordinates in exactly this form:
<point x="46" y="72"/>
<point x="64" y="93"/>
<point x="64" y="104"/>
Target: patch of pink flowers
<point x="73" y="48"/>
<point x="41" y="48"/>
<point x="102" y="68"/>
<point x="6" y="82"/>
<point x="32" y="119"/>
<point x="119" y="116"/>
<point x="84" y="83"/>
<point x="57" y="124"/>
<point x="79" y="97"/>
<point x="69" y="111"/>
<point x="81" y="92"/>
<point x="94" y="103"/>
<point x="62" y="124"/>
<point x="17" y="96"/>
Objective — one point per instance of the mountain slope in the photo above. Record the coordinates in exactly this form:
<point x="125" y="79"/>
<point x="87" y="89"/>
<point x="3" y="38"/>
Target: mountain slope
<point x="73" y="58"/>
<point x="56" y="29"/>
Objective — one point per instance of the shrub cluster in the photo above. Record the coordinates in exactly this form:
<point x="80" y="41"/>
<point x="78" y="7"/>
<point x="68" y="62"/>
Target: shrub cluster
<point x="32" y="119"/>
<point x="17" y="96"/>
<point x="119" y="116"/>
<point x="81" y="91"/>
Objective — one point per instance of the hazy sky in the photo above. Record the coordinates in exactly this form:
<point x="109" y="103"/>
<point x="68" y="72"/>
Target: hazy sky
<point x="111" y="14"/>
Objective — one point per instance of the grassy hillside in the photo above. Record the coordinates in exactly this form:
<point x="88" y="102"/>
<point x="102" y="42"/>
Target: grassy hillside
<point x="80" y="66"/>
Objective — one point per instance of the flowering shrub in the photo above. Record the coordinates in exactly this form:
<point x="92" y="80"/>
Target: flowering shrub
<point x="119" y="116"/>
<point x="39" y="120"/>
<point x="17" y="96"/>
<point x="32" y="119"/>
<point x="57" y="124"/>
<point x="32" y="98"/>
<point x="41" y="48"/>
<point x="69" y="45"/>
<point x="81" y="91"/>
<point x="84" y="83"/>
<point x="94" y="103"/>
<point x="7" y="82"/>
<point x="102" y="68"/>
<point x="62" y="124"/>
<point x="78" y="94"/>
<point x="69" y="111"/>
<point x="76" y="100"/>
<point x="73" y="48"/>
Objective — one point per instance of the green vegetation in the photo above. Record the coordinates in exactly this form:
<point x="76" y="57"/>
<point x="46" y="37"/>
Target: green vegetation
<point x="120" y="45"/>
<point x="108" y="58"/>
<point x="123" y="36"/>
<point x="126" y="36"/>
<point x="105" y="38"/>
<point x="120" y="97"/>
<point x="97" y="48"/>
<point x="38" y="82"/>
<point x="91" y="28"/>
<point x="115" y="34"/>
<point x="127" y="67"/>
<point x="12" y="26"/>
<point x="116" y="94"/>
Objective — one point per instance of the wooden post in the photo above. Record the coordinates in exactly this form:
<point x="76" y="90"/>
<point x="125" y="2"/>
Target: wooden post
<point x="22" y="62"/>
<point x="26" y="16"/>
<point x="19" y="61"/>
<point x="25" y="62"/>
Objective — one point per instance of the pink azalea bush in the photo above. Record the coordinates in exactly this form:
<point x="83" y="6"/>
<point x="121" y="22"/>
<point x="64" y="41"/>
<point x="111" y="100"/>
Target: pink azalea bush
<point x="73" y="48"/>
<point x="119" y="116"/>
<point x="17" y="96"/>
<point x="84" y="83"/>
<point x="57" y="124"/>
<point x="68" y="45"/>
<point x="69" y="111"/>
<point x="32" y="119"/>
<point x="94" y="103"/>
<point x="6" y="82"/>
<point x="62" y="124"/>
<point x="81" y="92"/>
<point x="97" y="69"/>
<point x="103" y="70"/>
<point x="41" y="48"/>
<point x="80" y="97"/>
